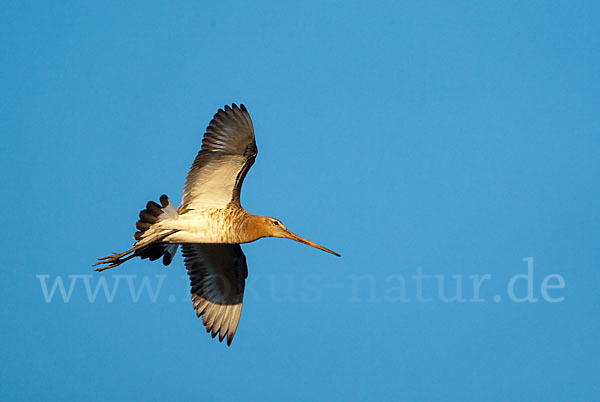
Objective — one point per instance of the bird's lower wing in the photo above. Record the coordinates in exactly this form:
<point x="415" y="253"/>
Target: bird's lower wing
<point x="217" y="275"/>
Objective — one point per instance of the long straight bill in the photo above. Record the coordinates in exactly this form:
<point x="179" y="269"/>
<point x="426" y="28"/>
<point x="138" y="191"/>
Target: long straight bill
<point x="309" y="243"/>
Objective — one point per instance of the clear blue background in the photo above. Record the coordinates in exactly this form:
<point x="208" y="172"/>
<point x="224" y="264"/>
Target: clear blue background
<point x="460" y="137"/>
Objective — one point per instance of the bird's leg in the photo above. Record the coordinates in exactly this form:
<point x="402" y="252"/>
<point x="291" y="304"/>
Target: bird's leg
<point x="114" y="260"/>
<point x="107" y="267"/>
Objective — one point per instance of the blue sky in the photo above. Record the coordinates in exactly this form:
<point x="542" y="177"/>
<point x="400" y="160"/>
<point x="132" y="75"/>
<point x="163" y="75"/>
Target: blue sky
<point x="454" y="139"/>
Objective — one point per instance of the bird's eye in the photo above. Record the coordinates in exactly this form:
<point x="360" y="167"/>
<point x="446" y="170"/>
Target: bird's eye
<point x="275" y="223"/>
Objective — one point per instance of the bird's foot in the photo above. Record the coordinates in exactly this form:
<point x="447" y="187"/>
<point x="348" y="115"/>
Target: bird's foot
<point x="114" y="260"/>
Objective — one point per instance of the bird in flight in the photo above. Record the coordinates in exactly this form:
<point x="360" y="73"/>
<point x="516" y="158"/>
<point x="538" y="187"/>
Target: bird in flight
<point x="210" y="224"/>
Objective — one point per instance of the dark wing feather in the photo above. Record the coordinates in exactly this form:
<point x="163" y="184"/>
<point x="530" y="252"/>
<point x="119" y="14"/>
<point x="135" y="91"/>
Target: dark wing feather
<point x="217" y="275"/>
<point x="228" y="151"/>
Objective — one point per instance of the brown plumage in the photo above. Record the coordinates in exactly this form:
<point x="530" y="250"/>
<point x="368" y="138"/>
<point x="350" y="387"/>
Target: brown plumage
<point x="210" y="224"/>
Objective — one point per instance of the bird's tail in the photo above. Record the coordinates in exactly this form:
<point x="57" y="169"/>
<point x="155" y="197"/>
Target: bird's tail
<point x="149" y="237"/>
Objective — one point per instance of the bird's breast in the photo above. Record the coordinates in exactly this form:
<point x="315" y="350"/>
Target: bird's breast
<point x="223" y="225"/>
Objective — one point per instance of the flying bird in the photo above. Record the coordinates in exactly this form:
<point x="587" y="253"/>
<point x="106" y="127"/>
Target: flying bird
<point x="210" y="224"/>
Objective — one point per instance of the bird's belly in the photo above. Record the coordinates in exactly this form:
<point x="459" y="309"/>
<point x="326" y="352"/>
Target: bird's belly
<point x="199" y="227"/>
<point x="183" y="236"/>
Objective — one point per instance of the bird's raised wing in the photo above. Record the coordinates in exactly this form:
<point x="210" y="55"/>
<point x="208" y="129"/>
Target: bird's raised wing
<point x="217" y="275"/>
<point x="228" y="151"/>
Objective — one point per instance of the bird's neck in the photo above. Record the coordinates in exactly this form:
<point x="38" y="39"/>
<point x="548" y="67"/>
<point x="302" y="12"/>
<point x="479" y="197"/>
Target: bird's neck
<point x="252" y="227"/>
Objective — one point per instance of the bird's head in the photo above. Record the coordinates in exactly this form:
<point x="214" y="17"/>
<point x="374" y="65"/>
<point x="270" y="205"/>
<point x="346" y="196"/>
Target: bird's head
<point x="271" y="227"/>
